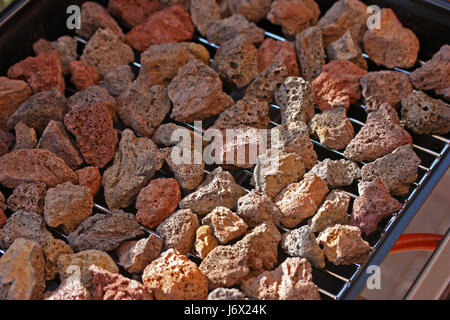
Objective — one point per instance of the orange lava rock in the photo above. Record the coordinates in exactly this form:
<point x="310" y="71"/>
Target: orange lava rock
<point x="41" y="73"/>
<point x="294" y="15"/>
<point x="133" y="12"/>
<point x="338" y="85"/>
<point x="34" y="165"/>
<point x="174" y="277"/>
<point x="278" y="51"/>
<point x="391" y="45"/>
<point x="12" y="94"/>
<point x="92" y="126"/>
<point x="89" y="177"/>
<point x="157" y="201"/>
<point x="83" y="74"/>
<point x="168" y="25"/>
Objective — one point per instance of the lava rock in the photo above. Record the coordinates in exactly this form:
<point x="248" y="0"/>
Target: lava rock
<point x="226" y="224"/>
<point x="134" y="256"/>
<point x="205" y="241"/>
<point x="12" y="94"/>
<point x="83" y="75"/>
<point x="7" y="140"/>
<point x="272" y="51"/>
<point x="28" y="196"/>
<point x="52" y="249"/>
<point x="226" y="294"/>
<point x="25" y="137"/>
<point x="117" y="79"/>
<point x="253" y="10"/>
<point x="346" y="48"/>
<point x="66" y="47"/>
<point x="226" y="29"/>
<point x="337" y="173"/>
<point x="310" y="52"/>
<point x="133" y="12"/>
<point x="204" y="13"/>
<point x="266" y="83"/>
<point x="90" y="177"/>
<point x="332" y="211"/>
<point x="70" y="289"/>
<point x="257" y="207"/>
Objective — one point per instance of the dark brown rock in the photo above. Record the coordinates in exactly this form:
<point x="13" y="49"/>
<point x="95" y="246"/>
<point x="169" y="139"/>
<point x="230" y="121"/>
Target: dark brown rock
<point x="257" y="207"/>
<point x="117" y="79"/>
<point x="133" y="12"/>
<point x="56" y="139"/>
<point x="83" y="75"/>
<point x="272" y="51"/>
<point x="294" y="16"/>
<point x="25" y="137"/>
<point x="105" y="232"/>
<point x="12" y="94"/>
<point x="66" y="47"/>
<point x="134" y="256"/>
<point x="92" y="127"/>
<point x="381" y="134"/>
<point x="236" y="61"/>
<point x="253" y="10"/>
<point x="7" y="140"/>
<point x="172" y="24"/>
<point x="346" y="48"/>
<point x="28" y="196"/>
<point x="226" y="29"/>
<point x="183" y="3"/>
<point x="267" y="82"/>
<point x="143" y="108"/>
<point x="157" y="201"/>
<point x="204" y="13"/>
<point x="38" y="165"/>
<point x="196" y="93"/>
<point x="310" y="52"/>
<point x="39" y="110"/>
<point x="42" y="73"/>
<point x="90" y="177"/>
<point x="391" y="45"/>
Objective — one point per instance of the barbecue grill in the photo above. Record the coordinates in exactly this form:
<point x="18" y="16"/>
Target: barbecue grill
<point x="26" y="21"/>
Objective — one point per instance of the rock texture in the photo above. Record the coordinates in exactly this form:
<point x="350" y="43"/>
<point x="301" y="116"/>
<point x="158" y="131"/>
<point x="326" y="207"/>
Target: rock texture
<point x="28" y="196"/>
<point x="275" y="170"/>
<point x="196" y="93"/>
<point x="105" y="51"/>
<point x="373" y="205"/>
<point x="160" y="62"/>
<point x="92" y="127"/>
<point x="272" y="51"/>
<point x="90" y="177"/>
<point x="134" y="165"/>
<point x="173" y="277"/>
<point x="294" y="16"/>
<point x="22" y="271"/>
<point x="292" y="280"/>
<point x="78" y="265"/>
<point x="296" y="100"/>
<point x="226" y="29"/>
<point x="28" y="165"/>
<point x="117" y="79"/>
<point x="83" y="75"/>
<point x="332" y="128"/>
<point x="397" y="169"/>
<point x="113" y="286"/>
<point x="66" y="47"/>
<point x="94" y="17"/>
<point x="257" y="207"/>
<point x="7" y="141"/>
<point x="25" y="137"/>
<point x="338" y="85"/>
<point x="157" y="201"/>
<point x="226" y="294"/>
<point x="346" y="48"/>
<point x="388" y="86"/>
<point x="225" y="224"/>
<point x="332" y="211"/>
<point x="218" y="189"/>
<point x="67" y="205"/>
<point x="134" y="256"/>
<point x="204" y="13"/>
<point x="52" y="249"/>
<point x="56" y="139"/>
<point x="310" y="52"/>
<point x="70" y="289"/>
<point x="343" y="245"/>
<point x="236" y="61"/>
<point x="105" y="232"/>
<point x="425" y="115"/>
<point x="205" y="241"/>
<point x="381" y="134"/>
<point x="253" y="10"/>
<point x="268" y="82"/>
<point x="225" y="266"/>
<point x="302" y="243"/>
<point x="178" y="231"/>
<point x="172" y="24"/>
<point x="42" y="73"/>
<point x="133" y="12"/>
<point x="342" y="16"/>
<point x="39" y="110"/>
<point x="12" y="94"/>
<point x="391" y="45"/>
<point x="337" y="173"/>
<point x="300" y="200"/>
<point x="142" y="108"/>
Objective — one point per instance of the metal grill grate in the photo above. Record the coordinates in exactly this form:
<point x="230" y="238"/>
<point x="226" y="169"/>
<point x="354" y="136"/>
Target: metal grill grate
<point x="334" y="282"/>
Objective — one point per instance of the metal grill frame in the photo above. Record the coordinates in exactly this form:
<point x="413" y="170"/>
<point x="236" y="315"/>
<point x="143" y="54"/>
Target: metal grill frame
<point x="351" y="285"/>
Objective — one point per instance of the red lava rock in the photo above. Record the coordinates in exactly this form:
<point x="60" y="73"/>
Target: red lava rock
<point x="157" y="201"/>
<point x="94" y="17"/>
<point x="204" y="13"/>
<point x="272" y="51"/>
<point x="381" y="134"/>
<point x="92" y="126"/>
<point x="392" y="45"/>
<point x="34" y="165"/>
<point x="338" y="85"/>
<point x="168" y="25"/>
<point x="89" y="177"/>
<point x="133" y="12"/>
<point x="228" y="28"/>
<point x="12" y="94"/>
<point x="373" y="205"/>
<point x="3" y="218"/>
<point x="113" y="286"/>
<point x="6" y="142"/>
<point x="41" y="73"/>
<point x="253" y="10"/>
<point x="66" y="47"/>
<point x="83" y="74"/>
<point x="294" y="15"/>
